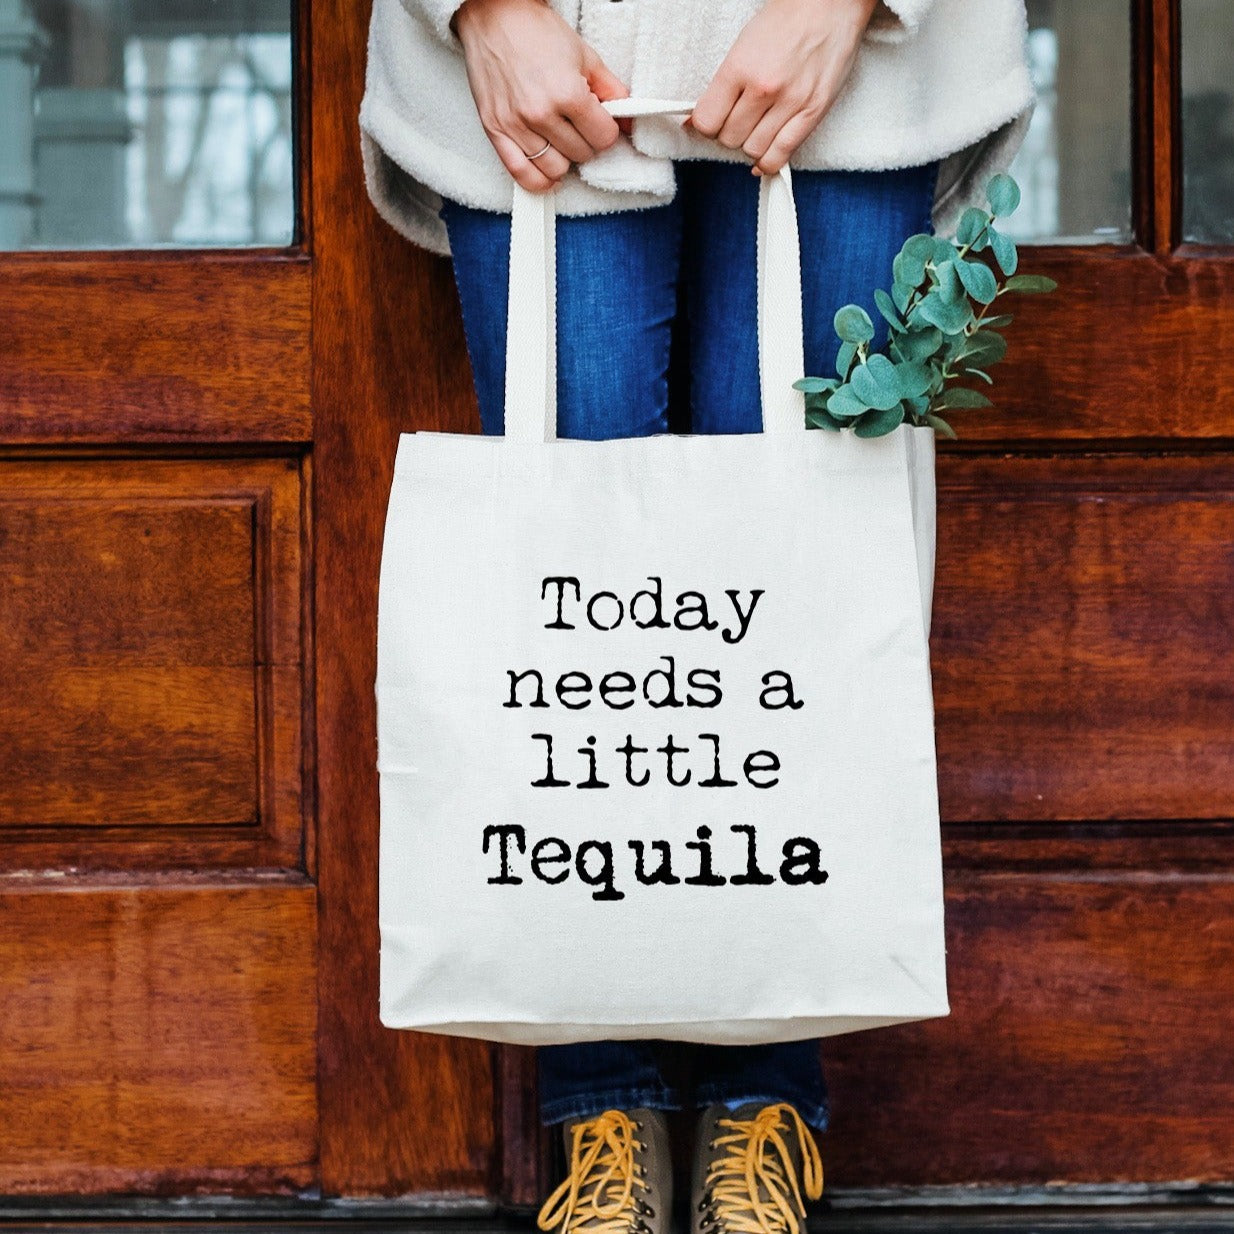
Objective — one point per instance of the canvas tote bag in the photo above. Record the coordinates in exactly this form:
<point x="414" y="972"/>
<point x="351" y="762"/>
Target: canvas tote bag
<point x="655" y="723"/>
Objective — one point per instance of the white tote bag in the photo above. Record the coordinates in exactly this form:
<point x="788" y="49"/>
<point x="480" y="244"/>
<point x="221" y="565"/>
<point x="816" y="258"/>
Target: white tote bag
<point x="655" y="723"/>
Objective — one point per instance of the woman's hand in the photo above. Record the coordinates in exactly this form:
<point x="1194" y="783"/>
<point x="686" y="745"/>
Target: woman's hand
<point x="535" y="81"/>
<point x="781" y="76"/>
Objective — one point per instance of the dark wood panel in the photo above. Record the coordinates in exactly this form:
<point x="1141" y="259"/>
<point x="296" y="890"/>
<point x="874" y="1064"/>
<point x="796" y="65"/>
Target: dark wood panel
<point x="1081" y="642"/>
<point x="401" y="1112"/>
<point x="1132" y="348"/>
<point x="134" y="348"/>
<point x="1163" y="846"/>
<point x="156" y="1038"/>
<point x="1088" y="1041"/>
<point x="126" y="657"/>
<point x="150" y="660"/>
<point x="524" y="1142"/>
<point x="1156" y="40"/>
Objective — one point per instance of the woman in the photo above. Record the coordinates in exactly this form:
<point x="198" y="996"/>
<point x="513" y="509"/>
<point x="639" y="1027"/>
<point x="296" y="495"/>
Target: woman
<point x="893" y="115"/>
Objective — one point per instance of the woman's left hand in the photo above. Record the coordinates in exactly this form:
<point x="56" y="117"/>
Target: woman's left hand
<point x="781" y="76"/>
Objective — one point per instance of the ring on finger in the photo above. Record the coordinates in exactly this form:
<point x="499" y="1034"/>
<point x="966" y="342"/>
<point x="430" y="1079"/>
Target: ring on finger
<point x="548" y="145"/>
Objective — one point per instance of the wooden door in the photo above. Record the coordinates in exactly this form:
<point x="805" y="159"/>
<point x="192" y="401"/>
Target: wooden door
<point x="158" y="915"/>
<point x="196" y="447"/>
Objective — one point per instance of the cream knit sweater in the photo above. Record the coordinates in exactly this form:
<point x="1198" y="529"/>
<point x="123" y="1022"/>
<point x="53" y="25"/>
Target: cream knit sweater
<point x="934" y="79"/>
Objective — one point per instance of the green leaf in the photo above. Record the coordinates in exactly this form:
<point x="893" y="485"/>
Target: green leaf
<point x="918" y="406"/>
<point x="1004" y="251"/>
<point x="1030" y="284"/>
<point x="887" y="307"/>
<point x="901" y="293"/>
<point x="976" y="372"/>
<point x="815" y="385"/>
<point x="845" y="402"/>
<point x="949" y="318"/>
<point x="919" y="344"/>
<point x="845" y="358"/>
<point x="941" y="426"/>
<point x="908" y="269"/>
<point x="944" y="251"/>
<point x="949" y="352"/>
<point x="978" y="280"/>
<point x="997" y="323"/>
<point x="880" y="422"/>
<point x="819" y="418"/>
<point x="972" y="222"/>
<point x="959" y="397"/>
<point x="914" y="379"/>
<point x="948" y="283"/>
<point x="853" y="324"/>
<point x="1003" y="194"/>
<point x="983" y="349"/>
<point x="876" y="384"/>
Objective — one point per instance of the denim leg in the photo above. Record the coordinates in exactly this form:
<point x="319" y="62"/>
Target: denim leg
<point x="593" y="1076"/>
<point x="851" y="224"/>
<point x="781" y="1071"/>
<point x="616" y="299"/>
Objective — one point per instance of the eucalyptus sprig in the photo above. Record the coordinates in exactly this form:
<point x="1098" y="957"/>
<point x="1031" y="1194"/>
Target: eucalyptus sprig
<point x="941" y="331"/>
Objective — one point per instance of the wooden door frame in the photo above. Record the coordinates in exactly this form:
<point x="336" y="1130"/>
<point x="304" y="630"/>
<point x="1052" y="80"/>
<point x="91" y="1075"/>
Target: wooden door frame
<point x="376" y="299"/>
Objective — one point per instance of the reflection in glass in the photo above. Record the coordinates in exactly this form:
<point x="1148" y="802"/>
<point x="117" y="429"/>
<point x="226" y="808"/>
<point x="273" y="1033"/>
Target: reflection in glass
<point x="139" y="123"/>
<point x="1075" y="164"/>
<point x="1208" y="121"/>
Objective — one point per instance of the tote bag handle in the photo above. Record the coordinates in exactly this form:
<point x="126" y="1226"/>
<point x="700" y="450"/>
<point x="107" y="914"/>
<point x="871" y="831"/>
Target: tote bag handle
<point x="531" y="332"/>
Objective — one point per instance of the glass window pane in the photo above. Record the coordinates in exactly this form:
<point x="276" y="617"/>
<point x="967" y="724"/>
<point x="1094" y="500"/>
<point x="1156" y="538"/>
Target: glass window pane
<point x="1208" y="121"/>
<point x="145" y="123"/>
<point x="1075" y="165"/>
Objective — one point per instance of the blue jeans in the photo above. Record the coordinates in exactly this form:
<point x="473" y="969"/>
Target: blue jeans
<point x="622" y="279"/>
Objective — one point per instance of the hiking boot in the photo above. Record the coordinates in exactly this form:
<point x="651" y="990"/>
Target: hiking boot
<point x="754" y="1168"/>
<point x="619" y="1177"/>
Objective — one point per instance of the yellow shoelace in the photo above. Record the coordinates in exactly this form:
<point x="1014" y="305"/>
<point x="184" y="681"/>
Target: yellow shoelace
<point x="753" y="1188"/>
<point x="598" y="1191"/>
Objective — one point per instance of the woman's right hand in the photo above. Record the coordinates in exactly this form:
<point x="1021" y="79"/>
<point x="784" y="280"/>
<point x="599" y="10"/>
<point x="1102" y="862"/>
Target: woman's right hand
<point x="534" y="80"/>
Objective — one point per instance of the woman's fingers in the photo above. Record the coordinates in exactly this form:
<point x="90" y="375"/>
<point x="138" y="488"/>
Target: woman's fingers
<point x="527" y="135"/>
<point x="772" y="123"/>
<point x="753" y="105"/>
<point x="595" y="124"/>
<point x="757" y="111"/>
<point x="592" y="123"/>
<point x="712" y="109"/>
<point x="765" y="122"/>
<point x="563" y="136"/>
<point x="786" y="142"/>
<point x="576" y="126"/>
<point x="523" y="169"/>
<point x="531" y="138"/>
<point x="552" y="163"/>
<point x="535" y="84"/>
<point x="781" y="76"/>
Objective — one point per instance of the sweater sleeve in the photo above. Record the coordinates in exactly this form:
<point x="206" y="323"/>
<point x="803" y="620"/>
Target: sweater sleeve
<point x="896" y="20"/>
<point x="437" y="15"/>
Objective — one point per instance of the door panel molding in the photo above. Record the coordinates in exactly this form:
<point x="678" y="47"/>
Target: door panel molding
<point x="1080" y="640"/>
<point x="152" y="662"/>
